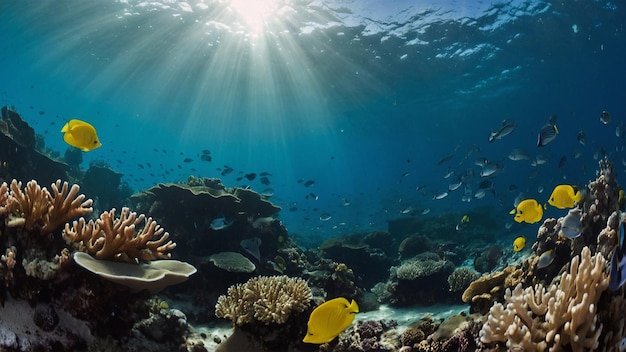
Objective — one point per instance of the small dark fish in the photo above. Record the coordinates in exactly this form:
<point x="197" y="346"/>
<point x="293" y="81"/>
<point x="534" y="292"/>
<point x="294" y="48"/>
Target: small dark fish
<point x="265" y="180"/>
<point x="581" y="137"/>
<point x="206" y="157"/>
<point x="325" y="217"/>
<point x="265" y="173"/>
<point x="605" y="117"/>
<point x="445" y="159"/>
<point x="239" y="178"/>
<point x="546" y="135"/>
<point x="227" y="170"/>
<point x="206" y="151"/>
<point x="309" y="183"/>
<point x="251" y="176"/>
<point x="562" y="162"/>
<point x="42" y="112"/>
<point x="187" y="160"/>
<point x="140" y="166"/>
<point x="314" y="196"/>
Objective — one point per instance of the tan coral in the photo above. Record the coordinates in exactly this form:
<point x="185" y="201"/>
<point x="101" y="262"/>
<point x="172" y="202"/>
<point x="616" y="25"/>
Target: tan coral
<point x="265" y="299"/>
<point x="4" y="198"/>
<point x="44" y="212"/>
<point x="66" y="204"/>
<point x="486" y="283"/>
<point x="538" y="319"/>
<point x="118" y="238"/>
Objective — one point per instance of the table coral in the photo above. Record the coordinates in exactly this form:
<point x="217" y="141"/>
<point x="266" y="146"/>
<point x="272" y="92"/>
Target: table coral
<point x="118" y="239"/>
<point x="536" y="318"/>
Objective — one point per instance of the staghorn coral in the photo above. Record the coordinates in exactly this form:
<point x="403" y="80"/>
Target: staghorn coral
<point x="38" y="210"/>
<point x="118" y="238"/>
<point x="4" y="198"/>
<point x="536" y="318"/>
<point x="265" y="299"/>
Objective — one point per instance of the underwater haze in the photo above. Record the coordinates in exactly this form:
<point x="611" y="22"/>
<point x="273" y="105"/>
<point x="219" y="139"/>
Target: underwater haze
<point x="360" y="111"/>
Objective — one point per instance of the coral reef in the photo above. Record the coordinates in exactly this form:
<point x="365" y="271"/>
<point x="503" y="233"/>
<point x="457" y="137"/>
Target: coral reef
<point x="564" y="314"/>
<point x="422" y="279"/>
<point x="359" y="256"/>
<point x="367" y="335"/>
<point x="19" y="152"/>
<point x="461" y="278"/>
<point x="264" y="299"/>
<point x="38" y="210"/>
<point x="268" y="310"/>
<point x="118" y="239"/>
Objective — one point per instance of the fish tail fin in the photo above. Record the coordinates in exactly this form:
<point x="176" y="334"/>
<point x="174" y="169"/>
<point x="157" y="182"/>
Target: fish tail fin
<point x="353" y="308"/>
<point x="556" y="129"/>
<point x="512" y="212"/>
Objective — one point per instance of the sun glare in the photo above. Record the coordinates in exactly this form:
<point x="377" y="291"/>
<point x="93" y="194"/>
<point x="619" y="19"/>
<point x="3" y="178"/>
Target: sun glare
<point x="254" y="12"/>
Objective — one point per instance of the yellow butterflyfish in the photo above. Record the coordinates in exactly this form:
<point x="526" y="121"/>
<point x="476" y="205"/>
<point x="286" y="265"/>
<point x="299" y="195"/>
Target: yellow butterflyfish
<point x="80" y="134"/>
<point x="528" y="211"/>
<point x="329" y="319"/>
<point x="519" y="243"/>
<point x="564" y="196"/>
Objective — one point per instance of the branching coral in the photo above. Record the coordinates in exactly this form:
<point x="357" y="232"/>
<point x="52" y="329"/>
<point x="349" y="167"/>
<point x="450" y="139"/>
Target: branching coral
<point x="38" y="210"/>
<point x="536" y="318"/>
<point x="118" y="239"/>
<point x="265" y="299"/>
<point x="4" y="198"/>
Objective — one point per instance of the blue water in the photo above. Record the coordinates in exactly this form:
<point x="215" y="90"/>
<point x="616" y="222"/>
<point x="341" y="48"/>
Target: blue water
<point x="364" y="97"/>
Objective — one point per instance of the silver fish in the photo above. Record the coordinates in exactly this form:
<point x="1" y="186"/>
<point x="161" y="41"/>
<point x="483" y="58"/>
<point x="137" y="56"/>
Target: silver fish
<point x="570" y="225"/>
<point x="518" y="154"/>
<point x="454" y="186"/>
<point x="488" y="170"/>
<point x="220" y="223"/>
<point x="441" y="195"/>
<point x="508" y="126"/>
<point x="546" y="258"/>
<point x="325" y="217"/>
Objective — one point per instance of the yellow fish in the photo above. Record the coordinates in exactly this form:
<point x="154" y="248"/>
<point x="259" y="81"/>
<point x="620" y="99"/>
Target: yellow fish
<point x="564" y="196"/>
<point x="81" y="135"/>
<point x="519" y="244"/>
<point x="329" y="319"/>
<point x="465" y="218"/>
<point x="528" y="211"/>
